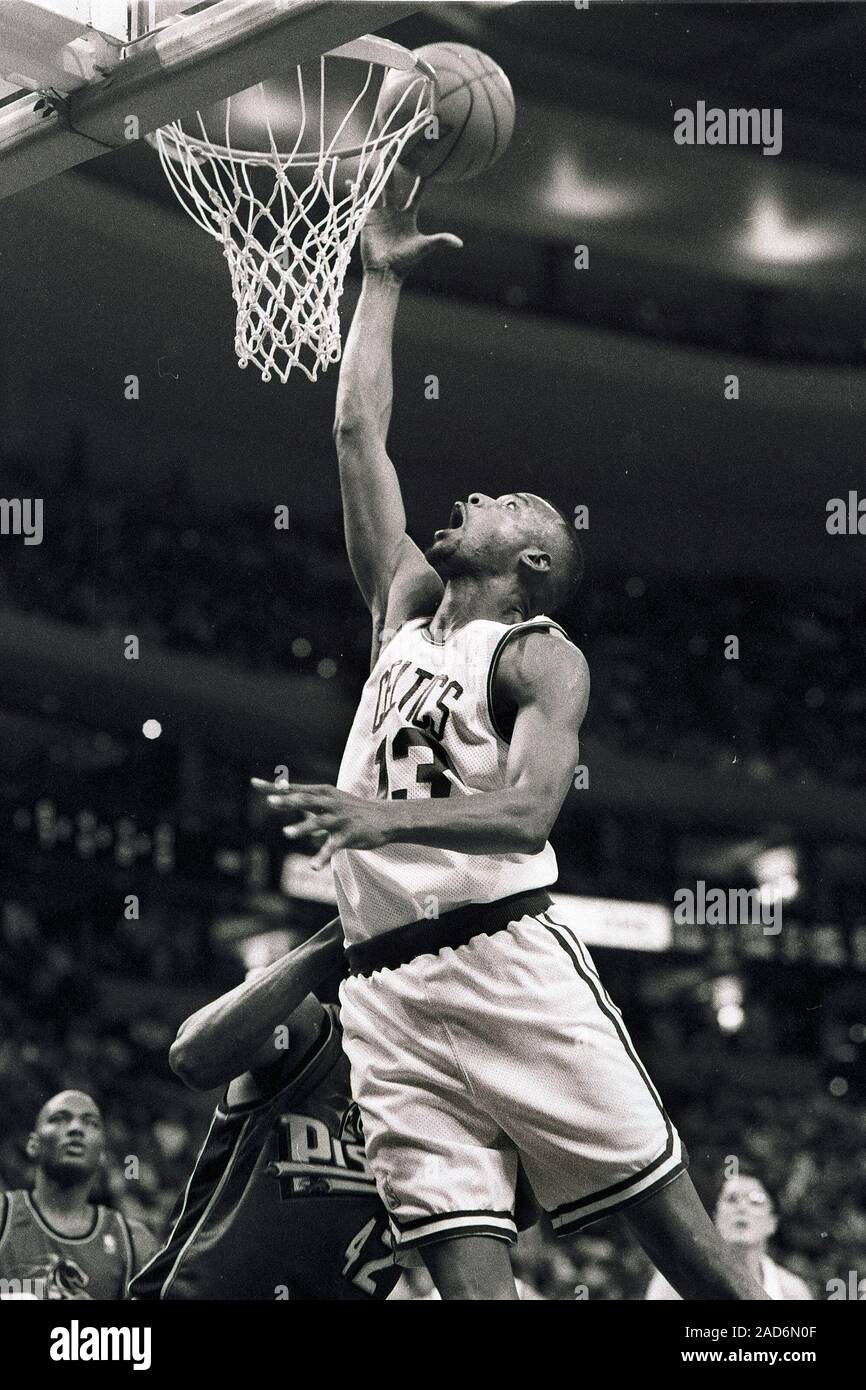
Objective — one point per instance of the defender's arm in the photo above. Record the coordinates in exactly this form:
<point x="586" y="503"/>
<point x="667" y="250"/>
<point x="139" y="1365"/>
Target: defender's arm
<point x="234" y="1033"/>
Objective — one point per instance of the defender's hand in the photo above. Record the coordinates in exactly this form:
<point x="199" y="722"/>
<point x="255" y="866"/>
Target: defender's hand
<point x="345" y="821"/>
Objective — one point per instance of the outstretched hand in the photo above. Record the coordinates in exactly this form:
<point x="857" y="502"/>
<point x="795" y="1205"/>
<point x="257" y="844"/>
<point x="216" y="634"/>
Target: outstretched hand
<point x="334" y="819"/>
<point x="391" y="240"/>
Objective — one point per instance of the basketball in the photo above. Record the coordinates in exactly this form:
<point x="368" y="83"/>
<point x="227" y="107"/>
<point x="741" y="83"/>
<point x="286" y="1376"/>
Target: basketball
<point x="474" y="117"/>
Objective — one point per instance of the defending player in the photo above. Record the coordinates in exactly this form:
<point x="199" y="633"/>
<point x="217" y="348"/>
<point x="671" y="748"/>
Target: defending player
<point x="54" y="1242"/>
<point x="477" y="1028"/>
<point x="281" y="1202"/>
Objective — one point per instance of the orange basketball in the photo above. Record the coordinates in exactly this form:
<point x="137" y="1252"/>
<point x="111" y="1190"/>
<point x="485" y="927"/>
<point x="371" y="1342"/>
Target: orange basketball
<point x="474" y="117"/>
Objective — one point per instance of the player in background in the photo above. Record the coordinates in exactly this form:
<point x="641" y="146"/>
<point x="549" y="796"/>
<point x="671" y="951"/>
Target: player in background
<point x="53" y="1239"/>
<point x="281" y="1202"/>
<point x="746" y="1219"/>
<point x="479" y="1033"/>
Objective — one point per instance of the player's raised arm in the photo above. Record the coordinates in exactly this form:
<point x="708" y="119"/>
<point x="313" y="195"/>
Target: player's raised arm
<point x="391" y="572"/>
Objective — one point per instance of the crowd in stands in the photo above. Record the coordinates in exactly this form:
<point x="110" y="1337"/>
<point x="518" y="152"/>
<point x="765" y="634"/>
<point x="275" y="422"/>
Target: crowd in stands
<point x="238" y="588"/>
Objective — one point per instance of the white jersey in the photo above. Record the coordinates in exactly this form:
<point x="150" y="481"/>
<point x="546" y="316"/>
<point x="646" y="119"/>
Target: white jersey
<point x="425" y="726"/>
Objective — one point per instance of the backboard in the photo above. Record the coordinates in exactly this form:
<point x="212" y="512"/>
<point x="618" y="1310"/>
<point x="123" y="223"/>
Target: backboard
<point x="74" y="90"/>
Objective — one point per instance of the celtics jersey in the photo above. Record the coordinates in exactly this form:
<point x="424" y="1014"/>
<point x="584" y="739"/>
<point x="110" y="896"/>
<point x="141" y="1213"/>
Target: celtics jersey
<point x="281" y="1203"/>
<point x="426" y="727"/>
<point x="37" y="1261"/>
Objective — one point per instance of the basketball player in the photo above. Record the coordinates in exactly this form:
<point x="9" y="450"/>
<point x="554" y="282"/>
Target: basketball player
<point x="747" y="1221"/>
<point x="281" y="1203"/>
<point x="478" y="1030"/>
<point x="54" y="1243"/>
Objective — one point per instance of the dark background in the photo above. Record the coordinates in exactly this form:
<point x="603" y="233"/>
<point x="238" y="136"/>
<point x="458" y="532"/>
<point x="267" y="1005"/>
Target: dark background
<point x="601" y="388"/>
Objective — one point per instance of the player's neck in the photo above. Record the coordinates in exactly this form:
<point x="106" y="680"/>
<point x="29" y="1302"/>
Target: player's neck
<point x="66" y="1207"/>
<point x="469" y="597"/>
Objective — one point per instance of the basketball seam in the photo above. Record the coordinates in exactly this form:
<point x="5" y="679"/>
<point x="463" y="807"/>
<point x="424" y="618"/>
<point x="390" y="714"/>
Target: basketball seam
<point x="496" y="151"/>
<point x="466" y="67"/>
<point x="469" y="84"/>
<point x="459" y="134"/>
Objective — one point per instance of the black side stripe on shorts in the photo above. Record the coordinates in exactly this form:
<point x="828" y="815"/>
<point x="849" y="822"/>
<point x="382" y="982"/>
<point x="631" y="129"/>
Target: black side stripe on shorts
<point x="573" y="948"/>
<point x="611" y="1014"/>
<point x="424" y="1230"/>
<point x="570" y="1220"/>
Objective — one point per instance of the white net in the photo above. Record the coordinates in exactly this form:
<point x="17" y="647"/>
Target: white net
<point x="288" y="222"/>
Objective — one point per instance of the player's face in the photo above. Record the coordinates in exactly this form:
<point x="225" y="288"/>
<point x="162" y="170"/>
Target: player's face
<point x="485" y="535"/>
<point x="69" y="1137"/>
<point x="744" y="1213"/>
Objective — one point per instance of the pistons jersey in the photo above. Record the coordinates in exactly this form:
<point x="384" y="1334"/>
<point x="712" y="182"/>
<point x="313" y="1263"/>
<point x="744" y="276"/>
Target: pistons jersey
<point x="426" y="727"/>
<point x="281" y="1203"/>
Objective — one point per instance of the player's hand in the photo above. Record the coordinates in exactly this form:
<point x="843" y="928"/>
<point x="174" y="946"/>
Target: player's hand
<point x="391" y="240"/>
<point x="341" y="820"/>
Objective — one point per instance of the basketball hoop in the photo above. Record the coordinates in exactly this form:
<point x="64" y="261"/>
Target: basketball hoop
<point x="288" y="222"/>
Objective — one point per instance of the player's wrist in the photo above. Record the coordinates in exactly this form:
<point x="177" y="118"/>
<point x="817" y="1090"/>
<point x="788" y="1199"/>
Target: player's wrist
<point x="385" y="276"/>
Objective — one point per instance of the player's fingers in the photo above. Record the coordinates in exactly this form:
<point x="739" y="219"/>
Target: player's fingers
<point x="302" y="799"/>
<point x="446" y="239"/>
<point x="308" y="826"/>
<point x="324" y="855"/>
<point x="402" y="190"/>
<point x="260" y="785"/>
<point x="337" y="839"/>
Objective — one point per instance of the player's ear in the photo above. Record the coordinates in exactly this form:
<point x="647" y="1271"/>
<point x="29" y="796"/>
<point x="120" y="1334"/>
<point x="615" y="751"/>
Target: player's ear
<point x="538" y="561"/>
<point x="31" y="1148"/>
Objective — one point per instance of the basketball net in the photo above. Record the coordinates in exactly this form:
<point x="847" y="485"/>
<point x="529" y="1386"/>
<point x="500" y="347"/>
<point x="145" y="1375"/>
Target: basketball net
<point x="288" y="222"/>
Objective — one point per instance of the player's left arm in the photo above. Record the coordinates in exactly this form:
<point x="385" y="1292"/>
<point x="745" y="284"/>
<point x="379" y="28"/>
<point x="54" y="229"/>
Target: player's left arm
<point x="546" y="681"/>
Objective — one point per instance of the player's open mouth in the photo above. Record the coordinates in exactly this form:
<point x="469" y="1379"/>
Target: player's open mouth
<point x="74" y="1150"/>
<point x="456" y="520"/>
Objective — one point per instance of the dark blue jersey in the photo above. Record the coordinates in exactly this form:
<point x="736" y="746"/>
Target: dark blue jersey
<point x="281" y="1202"/>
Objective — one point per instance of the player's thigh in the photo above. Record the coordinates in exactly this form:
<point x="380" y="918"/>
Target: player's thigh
<point x="442" y="1164"/>
<point x="549" y="1057"/>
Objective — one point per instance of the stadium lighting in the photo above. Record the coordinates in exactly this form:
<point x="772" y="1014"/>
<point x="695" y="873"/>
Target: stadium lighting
<point x="771" y="236"/>
<point x="776" y="872"/>
<point x="727" y="997"/>
<point x="571" y="192"/>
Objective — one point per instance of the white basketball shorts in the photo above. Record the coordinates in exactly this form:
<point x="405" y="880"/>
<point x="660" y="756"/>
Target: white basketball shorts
<point x="502" y="1049"/>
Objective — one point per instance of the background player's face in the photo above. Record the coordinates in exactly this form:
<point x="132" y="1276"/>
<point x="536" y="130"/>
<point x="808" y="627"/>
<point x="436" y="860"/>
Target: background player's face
<point x="68" y="1140"/>
<point x="486" y="535"/>
<point x="744" y="1212"/>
